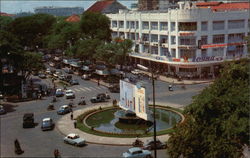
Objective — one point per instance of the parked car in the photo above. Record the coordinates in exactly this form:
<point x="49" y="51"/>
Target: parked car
<point x="150" y="145"/>
<point x="2" y="110"/>
<point x="57" y="74"/>
<point x="64" y="110"/>
<point x="114" y="88"/>
<point x="1" y="95"/>
<point x="42" y="75"/>
<point x="135" y="71"/>
<point x="48" y="71"/>
<point x="47" y="124"/>
<point x="74" y="139"/>
<point x="86" y="76"/>
<point x="68" y="78"/>
<point x="74" y="82"/>
<point x="68" y="70"/>
<point x="51" y="64"/>
<point x="97" y="99"/>
<point x="28" y="120"/>
<point x="59" y="93"/>
<point x="62" y="77"/>
<point x="137" y="152"/>
<point x="104" y="95"/>
<point x="70" y="94"/>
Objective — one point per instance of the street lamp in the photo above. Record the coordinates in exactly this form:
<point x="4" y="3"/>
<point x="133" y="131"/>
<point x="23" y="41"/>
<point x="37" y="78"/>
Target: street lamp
<point x="154" y="121"/>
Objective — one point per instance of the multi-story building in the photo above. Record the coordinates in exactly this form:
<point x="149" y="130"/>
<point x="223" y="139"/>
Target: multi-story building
<point x="194" y="38"/>
<point x="59" y="11"/>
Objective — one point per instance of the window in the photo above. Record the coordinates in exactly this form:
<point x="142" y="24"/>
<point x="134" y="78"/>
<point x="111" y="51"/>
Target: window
<point x="163" y="38"/>
<point x="163" y="26"/>
<point x="172" y="26"/>
<point x="145" y="49"/>
<point x="132" y="25"/>
<point x="217" y="51"/>
<point x="187" y="26"/>
<point x="154" y="50"/>
<point x="238" y="37"/>
<point x="137" y="36"/>
<point x="114" y="24"/>
<point x="114" y="34"/>
<point x="121" y="24"/>
<point x="145" y="37"/>
<point x="203" y="52"/>
<point x="154" y="38"/>
<point x="154" y="25"/>
<point x="132" y="36"/>
<point x="204" y="26"/>
<point x="127" y="24"/>
<point x="233" y="51"/>
<point x="187" y="53"/>
<point x="187" y="41"/>
<point x="173" y="53"/>
<point x="145" y="25"/>
<point x="165" y="52"/>
<point x="218" y="25"/>
<point x="218" y="39"/>
<point x="235" y="24"/>
<point x="173" y="40"/>
<point x="137" y="24"/>
<point x="203" y="40"/>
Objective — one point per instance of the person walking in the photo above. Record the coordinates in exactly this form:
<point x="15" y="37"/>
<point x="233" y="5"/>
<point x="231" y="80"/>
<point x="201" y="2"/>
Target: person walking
<point x="18" y="149"/>
<point x="75" y="124"/>
<point x="71" y="115"/>
<point x="56" y="153"/>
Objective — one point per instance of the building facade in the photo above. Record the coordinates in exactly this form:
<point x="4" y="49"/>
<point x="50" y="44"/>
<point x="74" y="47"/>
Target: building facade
<point x="191" y="39"/>
<point x="59" y="11"/>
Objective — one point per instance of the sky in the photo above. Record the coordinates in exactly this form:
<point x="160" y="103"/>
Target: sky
<point x="16" y="6"/>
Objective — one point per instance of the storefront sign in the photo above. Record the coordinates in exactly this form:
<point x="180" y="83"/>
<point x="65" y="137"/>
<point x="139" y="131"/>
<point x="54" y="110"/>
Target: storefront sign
<point x="220" y="45"/>
<point x="187" y="34"/>
<point x="176" y="60"/>
<point x="212" y="58"/>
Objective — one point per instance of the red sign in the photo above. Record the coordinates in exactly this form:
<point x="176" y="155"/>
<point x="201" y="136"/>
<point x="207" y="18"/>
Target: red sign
<point x="187" y="34"/>
<point x="220" y="45"/>
<point x="177" y="60"/>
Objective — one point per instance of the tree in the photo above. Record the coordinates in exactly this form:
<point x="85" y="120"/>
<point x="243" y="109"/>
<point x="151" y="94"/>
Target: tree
<point x="4" y="22"/>
<point x="85" y="49"/>
<point x="95" y="26"/>
<point x="63" y="35"/>
<point x="31" y="30"/>
<point x="217" y="122"/>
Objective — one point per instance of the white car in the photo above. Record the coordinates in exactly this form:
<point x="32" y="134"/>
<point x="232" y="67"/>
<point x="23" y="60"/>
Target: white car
<point x="74" y="139"/>
<point x="135" y="71"/>
<point x="137" y="152"/>
<point x="70" y="94"/>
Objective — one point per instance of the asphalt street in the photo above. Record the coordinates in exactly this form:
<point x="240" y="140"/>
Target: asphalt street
<point x="37" y="143"/>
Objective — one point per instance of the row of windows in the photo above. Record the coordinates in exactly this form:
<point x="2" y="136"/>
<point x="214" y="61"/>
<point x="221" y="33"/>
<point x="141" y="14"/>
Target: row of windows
<point x="183" y="26"/>
<point x="185" y="40"/>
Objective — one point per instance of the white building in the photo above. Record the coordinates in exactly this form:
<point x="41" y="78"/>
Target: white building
<point x="194" y="38"/>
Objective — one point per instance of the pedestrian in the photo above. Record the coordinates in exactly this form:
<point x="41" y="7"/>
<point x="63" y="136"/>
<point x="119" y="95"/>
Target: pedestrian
<point x="18" y="149"/>
<point x="74" y="124"/>
<point x="98" y="82"/>
<point x="56" y="153"/>
<point x="71" y="115"/>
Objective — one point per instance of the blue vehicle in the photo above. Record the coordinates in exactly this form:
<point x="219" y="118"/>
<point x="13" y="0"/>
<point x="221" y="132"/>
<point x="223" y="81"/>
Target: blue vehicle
<point x="137" y="152"/>
<point x="64" y="110"/>
<point x="59" y="93"/>
<point x="47" y="124"/>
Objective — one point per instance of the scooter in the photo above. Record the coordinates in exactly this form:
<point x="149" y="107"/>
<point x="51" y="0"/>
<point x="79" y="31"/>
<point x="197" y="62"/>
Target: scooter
<point x="137" y="143"/>
<point x="82" y="102"/>
<point x="51" y="107"/>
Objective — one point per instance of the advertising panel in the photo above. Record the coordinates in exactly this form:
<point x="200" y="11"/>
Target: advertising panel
<point x="134" y="98"/>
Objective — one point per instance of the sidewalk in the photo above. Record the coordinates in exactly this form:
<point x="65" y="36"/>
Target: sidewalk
<point x="66" y="126"/>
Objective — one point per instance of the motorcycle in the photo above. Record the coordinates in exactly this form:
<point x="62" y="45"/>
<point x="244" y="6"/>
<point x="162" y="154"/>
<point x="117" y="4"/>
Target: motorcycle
<point x="82" y="102"/>
<point x="50" y="107"/>
<point x="54" y="99"/>
<point x="137" y="143"/>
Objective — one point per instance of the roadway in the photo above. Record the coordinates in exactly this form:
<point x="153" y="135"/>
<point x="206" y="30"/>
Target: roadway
<point x="37" y="143"/>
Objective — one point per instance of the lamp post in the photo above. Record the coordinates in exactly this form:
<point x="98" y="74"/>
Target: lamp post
<point x="154" y="121"/>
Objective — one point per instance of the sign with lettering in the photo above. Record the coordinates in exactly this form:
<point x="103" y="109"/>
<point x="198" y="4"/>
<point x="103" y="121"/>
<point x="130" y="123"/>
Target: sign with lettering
<point x="220" y="45"/>
<point x="187" y="34"/>
<point x="211" y="58"/>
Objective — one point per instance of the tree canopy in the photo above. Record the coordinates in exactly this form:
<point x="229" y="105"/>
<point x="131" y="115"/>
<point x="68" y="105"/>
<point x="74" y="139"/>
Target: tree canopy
<point x="217" y="122"/>
<point x="31" y="30"/>
<point x="95" y="26"/>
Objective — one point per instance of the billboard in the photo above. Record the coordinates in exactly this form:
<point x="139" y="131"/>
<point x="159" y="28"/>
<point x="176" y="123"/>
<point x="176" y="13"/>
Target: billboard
<point x="134" y="98"/>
